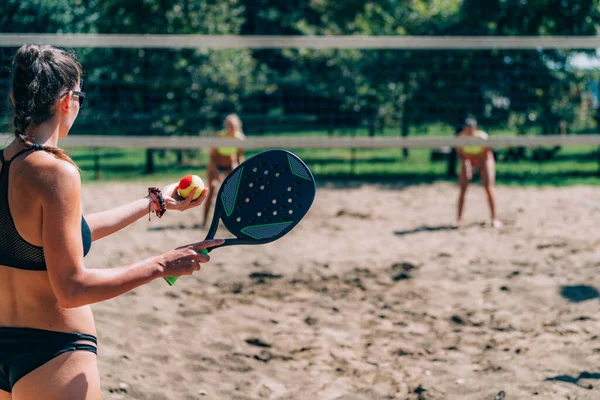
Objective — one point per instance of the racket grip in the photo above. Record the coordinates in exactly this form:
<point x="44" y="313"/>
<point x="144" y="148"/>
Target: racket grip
<point x="172" y="279"/>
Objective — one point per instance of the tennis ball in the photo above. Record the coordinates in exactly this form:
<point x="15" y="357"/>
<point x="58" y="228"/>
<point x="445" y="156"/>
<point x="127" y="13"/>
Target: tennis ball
<point x="188" y="183"/>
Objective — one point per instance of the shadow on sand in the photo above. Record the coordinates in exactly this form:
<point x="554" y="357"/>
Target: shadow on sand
<point x="575" y="380"/>
<point x="579" y="293"/>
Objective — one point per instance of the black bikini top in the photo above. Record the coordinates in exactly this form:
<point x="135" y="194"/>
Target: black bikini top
<point x="15" y="251"/>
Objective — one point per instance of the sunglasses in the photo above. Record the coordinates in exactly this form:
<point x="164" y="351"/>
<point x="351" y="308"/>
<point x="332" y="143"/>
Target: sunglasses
<point x="80" y="96"/>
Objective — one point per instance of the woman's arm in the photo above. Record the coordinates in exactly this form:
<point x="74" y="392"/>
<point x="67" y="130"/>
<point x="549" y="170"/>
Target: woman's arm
<point x="105" y="223"/>
<point x="72" y="283"/>
<point x="212" y="155"/>
<point x="459" y="150"/>
<point x="484" y="149"/>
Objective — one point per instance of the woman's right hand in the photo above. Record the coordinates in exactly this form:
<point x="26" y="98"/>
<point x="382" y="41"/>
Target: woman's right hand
<point x="186" y="259"/>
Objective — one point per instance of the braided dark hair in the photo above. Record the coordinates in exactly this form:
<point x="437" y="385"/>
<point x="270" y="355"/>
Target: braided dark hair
<point x="40" y="75"/>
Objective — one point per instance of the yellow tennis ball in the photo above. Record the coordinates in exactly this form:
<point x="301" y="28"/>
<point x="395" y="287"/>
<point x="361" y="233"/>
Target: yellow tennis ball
<point x="188" y="183"/>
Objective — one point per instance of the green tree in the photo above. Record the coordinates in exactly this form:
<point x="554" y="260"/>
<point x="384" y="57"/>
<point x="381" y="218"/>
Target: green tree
<point x="172" y="91"/>
<point x="47" y="16"/>
<point x="414" y="87"/>
<point x="147" y="91"/>
<point x="37" y="16"/>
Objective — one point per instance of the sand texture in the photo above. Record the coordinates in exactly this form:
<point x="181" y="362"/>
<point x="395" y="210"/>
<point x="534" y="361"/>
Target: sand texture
<point x="372" y="296"/>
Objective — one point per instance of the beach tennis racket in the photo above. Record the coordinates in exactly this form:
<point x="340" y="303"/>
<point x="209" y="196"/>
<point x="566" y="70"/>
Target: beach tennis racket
<point x="262" y="199"/>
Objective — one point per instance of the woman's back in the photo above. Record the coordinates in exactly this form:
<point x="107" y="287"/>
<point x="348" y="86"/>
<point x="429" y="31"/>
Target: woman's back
<point x="26" y="295"/>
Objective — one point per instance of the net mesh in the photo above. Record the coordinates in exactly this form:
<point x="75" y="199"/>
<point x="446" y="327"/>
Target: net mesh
<point x="331" y="91"/>
<point x="338" y="93"/>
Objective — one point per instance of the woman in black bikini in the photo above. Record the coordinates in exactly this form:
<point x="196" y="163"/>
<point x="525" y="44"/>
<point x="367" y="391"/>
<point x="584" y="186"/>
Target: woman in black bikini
<point x="47" y="331"/>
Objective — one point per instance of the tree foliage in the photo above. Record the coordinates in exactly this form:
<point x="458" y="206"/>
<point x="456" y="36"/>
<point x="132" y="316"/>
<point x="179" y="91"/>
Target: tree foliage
<point x="152" y="91"/>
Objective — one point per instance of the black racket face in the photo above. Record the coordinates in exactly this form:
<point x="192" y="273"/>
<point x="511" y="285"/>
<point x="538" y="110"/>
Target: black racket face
<point x="264" y="197"/>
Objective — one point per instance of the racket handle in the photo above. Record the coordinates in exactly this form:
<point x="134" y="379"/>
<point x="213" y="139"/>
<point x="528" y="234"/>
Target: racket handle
<point x="172" y="279"/>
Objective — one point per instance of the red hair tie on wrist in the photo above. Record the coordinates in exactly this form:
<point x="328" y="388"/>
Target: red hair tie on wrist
<point x="157" y="198"/>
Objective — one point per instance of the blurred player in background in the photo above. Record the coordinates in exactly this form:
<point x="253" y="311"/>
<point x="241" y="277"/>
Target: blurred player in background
<point x="223" y="160"/>
<point x="476" y="158"/>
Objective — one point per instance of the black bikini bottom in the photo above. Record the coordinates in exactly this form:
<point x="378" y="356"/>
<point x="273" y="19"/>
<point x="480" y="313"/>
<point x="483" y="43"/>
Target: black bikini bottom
<point x="24" y="349"/>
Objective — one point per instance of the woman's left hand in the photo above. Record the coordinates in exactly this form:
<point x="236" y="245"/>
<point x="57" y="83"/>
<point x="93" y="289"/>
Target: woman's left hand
<point x="174" y="201"/>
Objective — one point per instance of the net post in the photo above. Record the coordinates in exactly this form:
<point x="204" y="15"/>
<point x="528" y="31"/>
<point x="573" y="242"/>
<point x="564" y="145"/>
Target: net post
<point x="353" y="156"/>
<point x="149" y="161"/>
<point x="404" y="128"/>
<point x="598" y="159"/>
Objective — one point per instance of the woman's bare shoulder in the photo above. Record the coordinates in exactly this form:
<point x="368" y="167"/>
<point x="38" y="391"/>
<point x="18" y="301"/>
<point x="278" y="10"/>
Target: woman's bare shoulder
<point x="47" y="174"/>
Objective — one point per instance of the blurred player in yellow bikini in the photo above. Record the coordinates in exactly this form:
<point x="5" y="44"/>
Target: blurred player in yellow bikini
<point x="471" y="159"/>
<point x="224" y="159"/>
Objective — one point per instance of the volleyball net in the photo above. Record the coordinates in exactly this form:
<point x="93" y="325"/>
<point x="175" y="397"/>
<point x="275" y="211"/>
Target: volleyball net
<point x="173" y="91"/>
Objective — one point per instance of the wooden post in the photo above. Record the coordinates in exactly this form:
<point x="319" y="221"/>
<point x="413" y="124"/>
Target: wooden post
<point x="353" y="158"/>
<point x="404" y="131"/>
<point x="149" y="161"/>
<point x="598" y="158"/>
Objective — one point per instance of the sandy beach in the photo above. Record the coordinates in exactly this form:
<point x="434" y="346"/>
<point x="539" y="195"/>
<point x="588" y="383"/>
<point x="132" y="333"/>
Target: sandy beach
<point x="372" y="296"/>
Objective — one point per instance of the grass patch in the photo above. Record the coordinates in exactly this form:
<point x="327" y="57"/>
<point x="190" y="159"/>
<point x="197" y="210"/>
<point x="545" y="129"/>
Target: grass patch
<point x="571" y="166"/>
